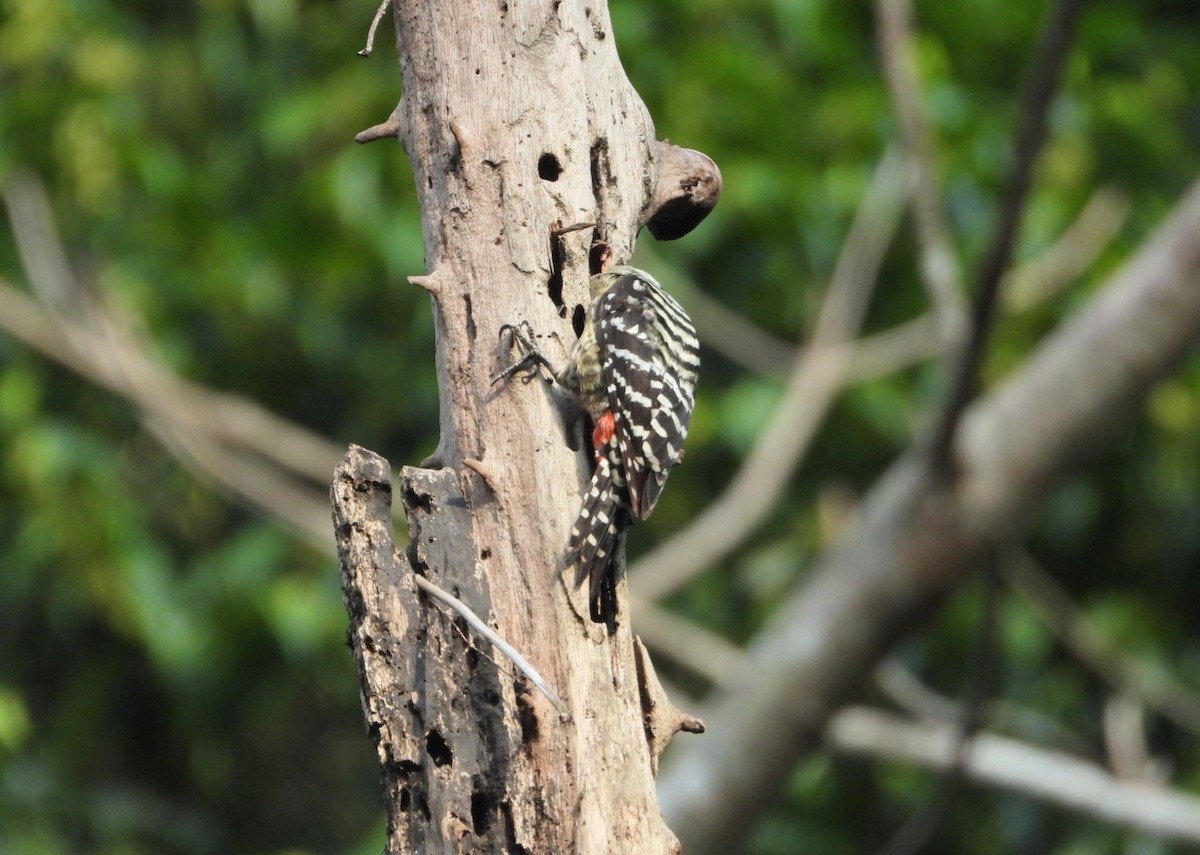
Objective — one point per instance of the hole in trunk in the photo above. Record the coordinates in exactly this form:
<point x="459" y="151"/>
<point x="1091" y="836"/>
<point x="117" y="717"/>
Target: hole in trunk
<point x="439" y="751"/>
<point x="549" y="168"/>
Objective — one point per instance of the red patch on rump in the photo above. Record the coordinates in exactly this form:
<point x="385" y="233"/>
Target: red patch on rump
<point x="603" y="432"/>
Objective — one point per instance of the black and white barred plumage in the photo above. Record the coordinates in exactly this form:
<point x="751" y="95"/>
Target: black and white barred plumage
<point x="634" y="370"/>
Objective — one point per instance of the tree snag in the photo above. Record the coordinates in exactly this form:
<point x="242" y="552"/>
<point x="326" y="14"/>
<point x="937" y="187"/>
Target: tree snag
<point x="519" y="122"/>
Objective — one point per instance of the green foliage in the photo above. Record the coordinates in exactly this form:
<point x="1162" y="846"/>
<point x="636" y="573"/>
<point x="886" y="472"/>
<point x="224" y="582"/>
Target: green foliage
<point x="173" y="675"/>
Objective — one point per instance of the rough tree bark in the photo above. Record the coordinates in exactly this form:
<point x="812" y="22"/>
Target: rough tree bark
<point x="518" y="120"/>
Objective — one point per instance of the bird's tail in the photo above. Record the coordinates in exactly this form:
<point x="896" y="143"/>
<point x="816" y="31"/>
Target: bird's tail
<point x="597" y="536"/>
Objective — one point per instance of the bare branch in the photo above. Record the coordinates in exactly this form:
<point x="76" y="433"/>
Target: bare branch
<point x="697" y="649"/>
<point x="1049" y="776"/>
<point x="905" y="690"/>
<point x="750" y="346"/>
<point x="39" y="245"/>
<point x="389" y="128"/>
<point x="114" y="364"/>
<point x="94" y="339"/>
<point x="895" y="349"/>
<point x="1049" y="58"/>
<point x="1127" y="675"/>
<point x="299" y="509"/>
<point x="939" y="262"/>
<point x="911" y="342"/>
<point x="261" y="459"/>
<point x="1125" y="741"/>
<point x="1073" y="253"/>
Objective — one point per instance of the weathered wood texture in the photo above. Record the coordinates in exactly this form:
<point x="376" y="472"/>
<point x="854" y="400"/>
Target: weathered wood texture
<point x="518" y="120"/>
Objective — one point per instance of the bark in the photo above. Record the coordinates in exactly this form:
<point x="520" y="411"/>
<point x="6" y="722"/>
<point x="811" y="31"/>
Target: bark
<point x="917" y="535"/>
<point x="518" y="120"/>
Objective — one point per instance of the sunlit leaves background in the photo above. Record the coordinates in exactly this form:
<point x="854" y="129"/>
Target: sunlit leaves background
<point x="173" y="676"/>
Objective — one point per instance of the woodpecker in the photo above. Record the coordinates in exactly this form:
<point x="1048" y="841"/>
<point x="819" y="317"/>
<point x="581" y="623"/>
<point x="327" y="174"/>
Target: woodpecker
<point x="633" y="370"/>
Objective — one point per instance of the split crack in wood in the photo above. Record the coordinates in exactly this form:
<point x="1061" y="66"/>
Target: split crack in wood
<point x="370" y="475"/>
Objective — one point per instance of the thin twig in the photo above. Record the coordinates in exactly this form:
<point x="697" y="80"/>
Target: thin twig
<point x="902" y="687"/>
<point x="1075" y="250"/>
<point x="819" y="374"/>
<point x="1054" y="607"/>
<point x="938" y="260"/>
<point x="490" y="634"/>
<point x="39" y="244"/>
<point x="904" y="345"/>
<point x="379" y="13"/>
<point x="746" y="344"/>
<point x="1049" y="58"/>
<point x="918" y="829"/>
<point x="389" y="128"/>
<point x="703" y="652"/>
<point x="297" y="508"/>
<point x="1124" y="728"/>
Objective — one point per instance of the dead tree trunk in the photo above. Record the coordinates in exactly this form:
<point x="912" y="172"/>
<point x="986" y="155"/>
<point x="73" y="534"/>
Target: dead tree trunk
<point x="518" y="120"/>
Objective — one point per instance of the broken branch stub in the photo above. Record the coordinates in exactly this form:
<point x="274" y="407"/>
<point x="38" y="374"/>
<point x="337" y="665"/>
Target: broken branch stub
<point x="687" y="189"/>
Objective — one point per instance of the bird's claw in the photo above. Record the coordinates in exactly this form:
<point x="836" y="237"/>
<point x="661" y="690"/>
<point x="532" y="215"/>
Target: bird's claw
<point x="531" y="359"/>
